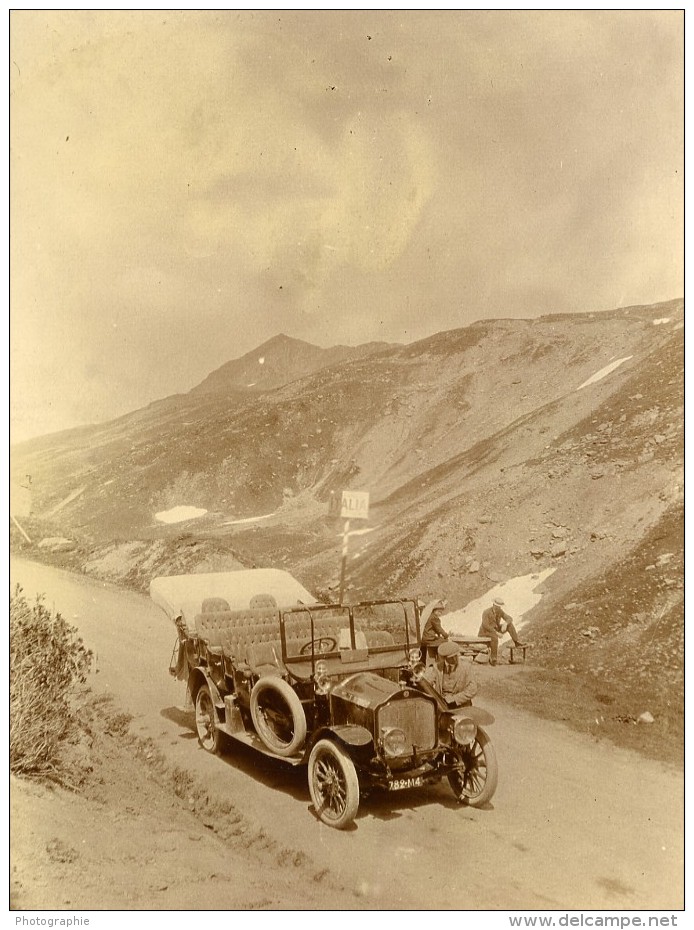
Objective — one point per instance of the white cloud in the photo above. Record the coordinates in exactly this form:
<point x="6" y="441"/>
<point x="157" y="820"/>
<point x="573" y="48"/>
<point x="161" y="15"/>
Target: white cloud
<point x="169" y="165"/>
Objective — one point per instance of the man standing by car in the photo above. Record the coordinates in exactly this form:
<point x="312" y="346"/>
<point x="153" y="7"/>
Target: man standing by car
<point x="452" y="678"/>
<point x="496" y="622"/>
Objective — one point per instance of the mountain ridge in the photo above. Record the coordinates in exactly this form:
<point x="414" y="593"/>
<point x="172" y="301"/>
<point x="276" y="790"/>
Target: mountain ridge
<point x="393" y="412"/>
<point x="278" y="361"/>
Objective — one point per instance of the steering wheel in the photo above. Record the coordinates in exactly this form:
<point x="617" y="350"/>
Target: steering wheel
<point x="321" y="644"/>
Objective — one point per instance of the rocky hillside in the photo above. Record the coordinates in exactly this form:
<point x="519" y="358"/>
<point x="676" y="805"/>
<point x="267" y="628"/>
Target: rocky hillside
<point x="506" y="447"/>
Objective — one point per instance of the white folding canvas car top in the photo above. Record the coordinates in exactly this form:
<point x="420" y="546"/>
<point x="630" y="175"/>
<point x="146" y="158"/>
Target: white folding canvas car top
<point x="182" y="595"/>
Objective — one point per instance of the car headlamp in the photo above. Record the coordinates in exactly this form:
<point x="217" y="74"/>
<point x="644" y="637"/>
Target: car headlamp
<point x="414" y="656"/>
<point x="393" y="741"/>
<point x="321" y="678"/>
<point x="464" y="731"/>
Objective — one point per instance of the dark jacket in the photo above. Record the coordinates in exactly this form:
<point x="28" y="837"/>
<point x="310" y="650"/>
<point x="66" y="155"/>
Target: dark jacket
<point x="433" y="631"/>
<point x="491" y="620"/>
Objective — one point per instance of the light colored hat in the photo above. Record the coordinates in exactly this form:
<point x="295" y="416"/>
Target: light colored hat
<point x="500" y="601"/>
<point x="449" y="649"/>
<point x="429" y="609"/>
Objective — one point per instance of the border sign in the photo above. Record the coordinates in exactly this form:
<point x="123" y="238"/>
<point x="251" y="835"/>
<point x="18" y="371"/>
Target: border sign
<point x="355" y="505"/>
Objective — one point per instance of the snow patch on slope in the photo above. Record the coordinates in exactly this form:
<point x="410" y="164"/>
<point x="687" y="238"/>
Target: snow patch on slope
<point x="249" y="519"/>
<point x="608" y="369"/>
<point x="178" y="514"/>
<point x="519" y="595"/>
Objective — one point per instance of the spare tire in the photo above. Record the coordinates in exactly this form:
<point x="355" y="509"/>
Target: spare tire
<point x="278" y="716"/>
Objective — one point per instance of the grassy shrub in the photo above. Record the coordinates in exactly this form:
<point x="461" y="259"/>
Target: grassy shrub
<point x="48" y="662"/>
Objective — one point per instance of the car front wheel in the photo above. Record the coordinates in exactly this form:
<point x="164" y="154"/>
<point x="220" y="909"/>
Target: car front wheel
<point x="333" y="784"/>
<point x="475" y="782"/>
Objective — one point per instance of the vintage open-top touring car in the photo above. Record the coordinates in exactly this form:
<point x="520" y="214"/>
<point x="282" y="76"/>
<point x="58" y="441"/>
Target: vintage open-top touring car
<point x="339" y="688"/>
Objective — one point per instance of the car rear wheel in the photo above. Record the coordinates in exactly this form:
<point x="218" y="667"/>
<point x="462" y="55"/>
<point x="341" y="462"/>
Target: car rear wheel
<point x="206" y="720"/>
<point x="333" y="784"/>
<point x="475" y="782"/>
<point x="278" y="716"/>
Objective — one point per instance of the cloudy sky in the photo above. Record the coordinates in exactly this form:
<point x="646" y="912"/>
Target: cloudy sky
<point x="185" y="185"/>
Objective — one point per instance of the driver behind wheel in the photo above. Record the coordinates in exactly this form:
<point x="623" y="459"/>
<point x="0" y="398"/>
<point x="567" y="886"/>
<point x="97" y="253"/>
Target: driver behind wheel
<point x="452" y="678"/>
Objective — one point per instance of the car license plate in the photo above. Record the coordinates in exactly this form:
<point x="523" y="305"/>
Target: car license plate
<point x="398" y="783"/>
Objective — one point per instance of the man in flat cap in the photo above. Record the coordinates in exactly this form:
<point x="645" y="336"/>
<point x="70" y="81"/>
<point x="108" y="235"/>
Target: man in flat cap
<point x="496" y="622"/>
<point x="452" y="678"/>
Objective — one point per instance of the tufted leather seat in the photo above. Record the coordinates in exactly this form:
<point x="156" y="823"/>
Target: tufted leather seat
<point x="221" y="627"/>
<point x="265" y="658"/>
<point x="214" y="605"/>
<point x="263" y="601"/>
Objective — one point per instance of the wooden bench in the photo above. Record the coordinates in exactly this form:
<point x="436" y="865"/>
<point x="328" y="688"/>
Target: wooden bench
<point x="513" y="649"/>
<point x="473" y="646"/>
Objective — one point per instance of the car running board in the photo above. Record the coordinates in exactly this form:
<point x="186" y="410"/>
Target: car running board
<point x="255" y="742"/>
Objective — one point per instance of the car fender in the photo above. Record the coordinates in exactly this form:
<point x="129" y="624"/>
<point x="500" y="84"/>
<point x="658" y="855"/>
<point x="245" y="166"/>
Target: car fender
<point x="198" y="677"/>
<point x="350" y="735"/>
<point x="478" y="715"/>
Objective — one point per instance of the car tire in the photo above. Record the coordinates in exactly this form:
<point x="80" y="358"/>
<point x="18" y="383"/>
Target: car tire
<point x="474" y="783"/>
<point x="278" y="716"/>
<point x="206" y="720"/>
<point x="333" y="784"/>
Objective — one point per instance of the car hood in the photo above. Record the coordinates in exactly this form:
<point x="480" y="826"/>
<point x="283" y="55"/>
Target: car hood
<point x="365" y="689"/>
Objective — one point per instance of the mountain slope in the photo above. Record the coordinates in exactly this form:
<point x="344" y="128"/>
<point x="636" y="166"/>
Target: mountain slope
<point x="379" y="423"/>
<point x="503" y="449"/>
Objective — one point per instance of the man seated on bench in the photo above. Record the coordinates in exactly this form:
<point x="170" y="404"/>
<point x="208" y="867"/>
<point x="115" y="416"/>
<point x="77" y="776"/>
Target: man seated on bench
<point x="496" y="622"/>
<point x="433" y="634"/>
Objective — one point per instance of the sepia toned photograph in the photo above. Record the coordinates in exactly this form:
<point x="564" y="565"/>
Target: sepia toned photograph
<point x="346" y="539"/>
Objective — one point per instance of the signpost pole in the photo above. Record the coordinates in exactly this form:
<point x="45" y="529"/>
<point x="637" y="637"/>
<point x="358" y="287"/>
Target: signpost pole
<point x="343" y="567"/>
<point x="16" y="523"/>
<point x="354" y="505"/>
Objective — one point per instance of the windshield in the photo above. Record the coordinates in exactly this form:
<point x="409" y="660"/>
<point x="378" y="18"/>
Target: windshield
<point x="362" y="630"/>
<point x="386" y="623"/>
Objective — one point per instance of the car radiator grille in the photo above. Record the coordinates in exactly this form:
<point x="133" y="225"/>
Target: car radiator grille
<point x="417" y="717"/>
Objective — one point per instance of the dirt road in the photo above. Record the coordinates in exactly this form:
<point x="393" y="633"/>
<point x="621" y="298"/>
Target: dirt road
<point x="574" y="823"/>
